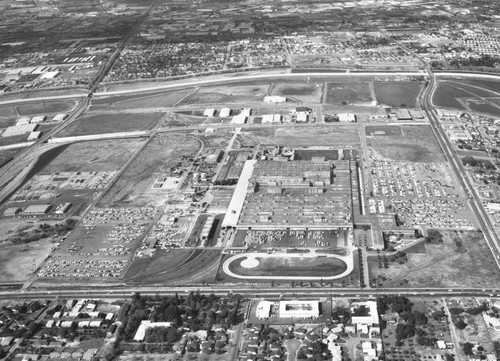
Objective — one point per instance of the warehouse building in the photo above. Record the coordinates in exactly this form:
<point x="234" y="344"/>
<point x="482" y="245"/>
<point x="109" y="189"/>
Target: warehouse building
<point x="12" y="211"/>
<point x="23" y="121"/>
<point x="225" y="112"/>
<point x="59" y="117"/>
<point x="37" y="209"/>
<point x="19" y="130"/>
<point x="35" y="135"/>
<point x="274" y="99"/>
<point x="207" y="228"/>
<point x="38" y="119"/>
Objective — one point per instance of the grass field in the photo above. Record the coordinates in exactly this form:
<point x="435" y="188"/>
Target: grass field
<point x="304" y="92"/>
<point x="153" y="100"/>
<point x="13" y="140"/>
<point x="473" y="96"/>
<point x="112" y="123"/>
<point x="388" y="130"/>
<point x="164" y="151"/>
<point x="45" y="107"/>
<point x="175" y="266"/>
<point x="398" y="94"/>
<point x="417" y="144"/>
<point x="97" y="156"/>
<point x="462" y="260"/>
<point x="350" y="93"/>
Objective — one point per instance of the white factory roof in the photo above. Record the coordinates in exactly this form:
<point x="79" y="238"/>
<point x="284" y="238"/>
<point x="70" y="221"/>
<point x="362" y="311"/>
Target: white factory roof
<point x="141" y="331"/>
<point x="59" y="117"/>
<point x="23" y="121"/>
<point x="19" y="129"/>
<point x="34" y="135"/>
<point x="225" y="112"/>
<point x="38" y="119"/>
<point x="239" y="195"/>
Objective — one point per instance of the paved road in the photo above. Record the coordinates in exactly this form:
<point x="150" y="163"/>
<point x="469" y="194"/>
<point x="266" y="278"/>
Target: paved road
<point x="255" y="290"/>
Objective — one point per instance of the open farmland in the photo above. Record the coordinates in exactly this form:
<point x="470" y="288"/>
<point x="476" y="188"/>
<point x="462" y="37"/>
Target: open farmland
<point x="303" y="92"/>
<point x="350" y="93"/>
<point x="153" y="100"/>
<point x="94" y="156"/>
<point x="416" y="144"/>
<point x="112" y="123"/>
<point x="462" y="260"/>
<point x="398" y="94"/>
<point x="39" y="107"/>
<point x="160" y="154"/>
<point x="175" y="266"/>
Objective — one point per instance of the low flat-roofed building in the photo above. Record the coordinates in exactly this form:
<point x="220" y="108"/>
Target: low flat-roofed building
<point x="239" y="119"/>
<point x="403" y="114"/>
<point x="364" y="313"/>
<point x="38" y="119"/>
<point x="210" y="112"/>
<point x="35" y="135"/>
<point x="299" y="309"/>
<point x="225" y="112"/>
<point x="37" y="209"/>
<point x="347" y="118"/>
<point x="263" y="309"/>
<point x="59" y="117"/>
<point x="23" y="121"/>
<point x="141" y="331"/>
<point x="19" y="129"/>
<point x="12" y="211"/>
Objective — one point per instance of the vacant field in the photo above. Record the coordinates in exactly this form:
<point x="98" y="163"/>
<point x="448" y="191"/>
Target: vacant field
<point x="462" y="260"/>
<point x="488" y="107"/>
<point x="417" y="144"/>
<point x="398" y="94"/>
<point x="45" y="107"/>
<point x="302" y="137"/>
<point x="97" y="156"/>
<point x="309" y="93"/>
<point x="133" y="188"/>
<point x="13" y="140"/>
<point x="17" y="262"/>
<point x="348" y="93"/>
<point x="382" y="130"/>
<point x="227" y="94"/>
<point x="153" y="100"/>
<point x="39" y="107"/>
<point x="7" y="154"/>
<point x="175" y="266"/>
<point x="112" y="123"/>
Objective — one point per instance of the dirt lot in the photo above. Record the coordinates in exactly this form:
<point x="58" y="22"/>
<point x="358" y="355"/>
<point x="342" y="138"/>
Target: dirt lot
<point x="462" y="260"/>
<point x="417" y="144"/>
<point x="175" y="266"/>
<point x="112" y="123"/>
<point x="227" y="94"/>
<point x="96" y="156"/>
<point x="164" y="151"/>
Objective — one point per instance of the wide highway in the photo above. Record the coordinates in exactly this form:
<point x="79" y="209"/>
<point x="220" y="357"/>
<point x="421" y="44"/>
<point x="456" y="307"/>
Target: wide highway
<point x="253" y="291"/>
